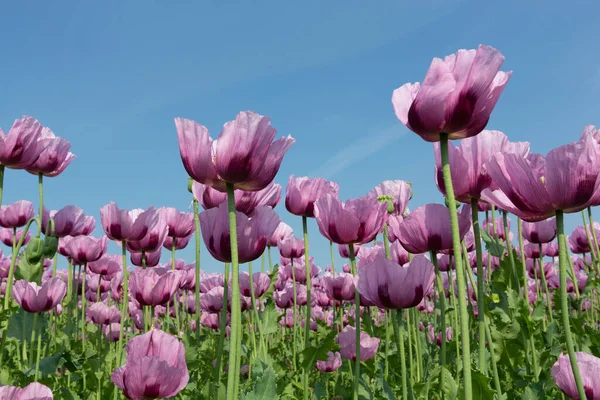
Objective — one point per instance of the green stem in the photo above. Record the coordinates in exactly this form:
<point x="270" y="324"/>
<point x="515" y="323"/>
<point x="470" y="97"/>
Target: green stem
<point x="493" y="360"/>
<point x="24" y="348"/>
<point x="173" y="255"/>
<point x="526" y="295"/>
<point x="175" y="301"/>
<point x="294" y="310"/>
<point x="331" y="252"/>
<point x="75" y="309"/>
<point x="510" y="251"/>
<point x="410" y="351"/>
<point x="256" y="326"/>
<point x="125" y="301"/>
<point x="588" y="237"/>
<point x="1" y="182"/>
<point x="523" y="265"/>
<point x="41" y="192"/>
<point x="594" y="236"/>
<point x="13" y="261"/>
<point x="460" y="277"/>
<point x="454" y="316"/>
<point x="308" y="304"/>
<point x="235" y="339"/>
<point x="4" y="341"/>
<point x="399" y="332"/>
<point x="54" y="264"/>
<point x="387" y="342"/>
<point x="442" y="324"/>
<point x="356" y="323"/>
<point x="99" y="392"/>
<point x="418" y="342"/>
<point x="564" y="305"/>
<point x="98" y="289"/>
<point x="262" y="263"/>
<point x="270" y="260"/>
<point x="252" y="335"/>
<point x="537" y="283"/>
<point x="38" y="355"/>
<point x="491" y="346"/>
<point x="222" y="329"/>
<point x="545" y="283"/>
<point x="83" y="284"/>
<point x="197" y="269"/>
<point x="32" y="341"/>
<point x="573" y="277"/>
<point x="480" y="288"/>
<point x="533" y="357"/>
<point x="386" y="245"/>
<point x="69" y="299"/>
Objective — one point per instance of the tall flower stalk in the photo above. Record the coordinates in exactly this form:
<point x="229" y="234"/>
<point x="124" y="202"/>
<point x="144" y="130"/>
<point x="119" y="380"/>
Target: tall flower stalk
<point x="2" y="167"/>
<point x="13" y="262"/>
<point x="509" y="250"/>
<point x="308" y="304"/>
<point x="197" y="267"/>
<point x="41" y="195"/>
<point x="357" y="326"/>
<point x="564" y="304"/>
<point x="222" y="329"/>
<point x="594" y="235"/>
<point x="480" y="285"/>
<point x="460" y="276"/>
<point x="442" y="323"/>
<point x="233" y="377"/>
<point x="124" y="300"/>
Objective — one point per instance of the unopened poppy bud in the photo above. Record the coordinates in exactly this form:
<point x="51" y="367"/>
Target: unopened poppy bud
<point x="447" y="202"/>
<point x="34" y="250"/>
<point x="50" y="246"/>
<point x="389" y="199"/>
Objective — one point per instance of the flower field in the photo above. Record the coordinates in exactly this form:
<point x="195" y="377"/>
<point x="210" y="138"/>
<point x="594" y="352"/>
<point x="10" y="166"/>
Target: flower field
<point x="481" y="296"/>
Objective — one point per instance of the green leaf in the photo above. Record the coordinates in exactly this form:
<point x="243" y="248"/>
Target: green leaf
<point x="48" y="365"/>
<point x="481" y="386"/>
<point x="364" y="391"/>
<point x="450" y="388"/>
<point x="387" y="392"/>
<point x="320" y="391"/>
<point x="68" y="394"/>
<point x="20" y="325"/>
<point x="529" y="394"/>
<point x="539" y="312"/>
<point x="50" y="246"/>
<point x="319" y="353"/>
<point x="6" y="376"/>
<point x="265" y="383"/>
<point x="34" y="250"/>
<point x="421" y="390"/>
<point x="491" y="245"/>
<point x="551" y="332"/>
<point x="273" y="275"/>
<point x="368" y="325"/>
<point x="269" y="320"/>
<point x="29" y="271"/>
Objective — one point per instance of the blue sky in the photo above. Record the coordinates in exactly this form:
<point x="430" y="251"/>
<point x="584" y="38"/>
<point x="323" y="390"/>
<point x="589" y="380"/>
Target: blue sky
<point x="111" y="76"/>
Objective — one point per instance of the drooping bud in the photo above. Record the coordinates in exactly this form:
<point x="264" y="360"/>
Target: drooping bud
<point x="190" y="184"/>
<point x="447" y="203"/>
<point x="50" y="246"/>
<point x="34" y="250"/>
<point x="389" y="199"/>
